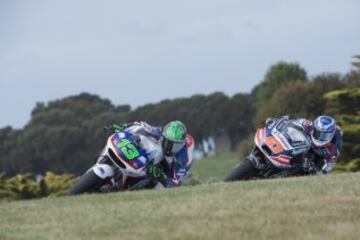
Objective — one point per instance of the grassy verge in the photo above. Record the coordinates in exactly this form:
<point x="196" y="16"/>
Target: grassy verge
<point x="214" y="168"/>
<point x="297" y="208"/>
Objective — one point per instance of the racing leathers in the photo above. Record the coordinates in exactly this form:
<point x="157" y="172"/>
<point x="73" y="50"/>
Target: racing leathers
<point x="173" y="169"/>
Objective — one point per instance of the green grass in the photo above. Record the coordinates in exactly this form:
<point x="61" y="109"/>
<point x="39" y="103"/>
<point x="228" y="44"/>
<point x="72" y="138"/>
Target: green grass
<point x="215" y="168"/>
<point x="297" y="208"/>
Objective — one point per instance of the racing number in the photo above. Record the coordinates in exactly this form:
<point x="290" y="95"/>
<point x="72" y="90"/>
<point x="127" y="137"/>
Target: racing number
<point x="128" y="149"/>
<point x="274" y="145"/>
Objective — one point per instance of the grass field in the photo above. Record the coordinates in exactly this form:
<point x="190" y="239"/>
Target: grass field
<point x="298" y="208"/>
<point x="215" y="168"/>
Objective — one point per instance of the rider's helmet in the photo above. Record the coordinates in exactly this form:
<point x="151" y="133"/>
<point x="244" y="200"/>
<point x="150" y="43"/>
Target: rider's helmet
<point x="173" y="137"/>
<point x="324" y="128"/>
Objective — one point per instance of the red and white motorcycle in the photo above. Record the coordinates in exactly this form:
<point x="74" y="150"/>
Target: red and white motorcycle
<point x="281" y="150"/>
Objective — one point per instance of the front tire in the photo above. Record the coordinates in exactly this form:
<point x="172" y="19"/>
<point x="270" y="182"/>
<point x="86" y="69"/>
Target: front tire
<point x="243" y="171"/>
<point x="88" y="182"/>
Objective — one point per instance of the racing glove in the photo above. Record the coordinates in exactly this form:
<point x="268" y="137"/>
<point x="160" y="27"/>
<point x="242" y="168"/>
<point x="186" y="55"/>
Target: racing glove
<point x="155" y="173"/>
<point x="269" y="121"/>
<point x="116" y="128"/>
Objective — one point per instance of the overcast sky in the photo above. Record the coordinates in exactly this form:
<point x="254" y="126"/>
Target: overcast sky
<point x="135" y="52"/>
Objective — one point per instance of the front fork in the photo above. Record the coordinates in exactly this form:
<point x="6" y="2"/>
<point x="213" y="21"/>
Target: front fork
<point x="263" y="166"/>
<point x="106" y="170"/>
<point x="257" y="158"/>
<point x="103" y="171"/>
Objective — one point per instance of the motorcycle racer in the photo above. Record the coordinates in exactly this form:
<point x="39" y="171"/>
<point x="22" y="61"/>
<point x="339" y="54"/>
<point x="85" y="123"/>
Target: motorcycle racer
<point x="170" y="148"/>
<point x="326" y="138"/>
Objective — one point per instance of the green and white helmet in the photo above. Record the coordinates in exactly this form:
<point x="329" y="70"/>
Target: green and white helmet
<point x="173" y="137"/>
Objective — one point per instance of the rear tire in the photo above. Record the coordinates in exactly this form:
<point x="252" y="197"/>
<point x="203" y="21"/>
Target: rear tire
<point x="88" y="182"/>
<point x="243" y="171"/>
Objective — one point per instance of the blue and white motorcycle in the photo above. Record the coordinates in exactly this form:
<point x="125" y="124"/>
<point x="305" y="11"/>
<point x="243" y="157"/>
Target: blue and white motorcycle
<point x="122" y="165"/>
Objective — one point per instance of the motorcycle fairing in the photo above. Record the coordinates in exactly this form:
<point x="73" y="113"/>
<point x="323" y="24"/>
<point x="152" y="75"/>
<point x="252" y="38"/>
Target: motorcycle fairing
<point x="127" y="151"/>
<point x="281" y="143"/>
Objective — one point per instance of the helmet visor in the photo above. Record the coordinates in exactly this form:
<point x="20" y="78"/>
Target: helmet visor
<point x="323" y="137"/>
<point x="171" y="148"/>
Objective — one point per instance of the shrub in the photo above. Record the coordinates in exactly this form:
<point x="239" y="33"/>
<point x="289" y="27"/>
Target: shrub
<point x="25" y="186"/>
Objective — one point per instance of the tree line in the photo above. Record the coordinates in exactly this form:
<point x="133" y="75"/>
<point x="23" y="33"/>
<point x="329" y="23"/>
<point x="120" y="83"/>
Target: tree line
<point x="65" y="135"/>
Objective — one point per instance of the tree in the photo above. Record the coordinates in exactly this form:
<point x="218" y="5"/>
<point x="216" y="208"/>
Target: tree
<point x="278" y="75"/>
<point x="345" y="106"/>
<point x="239" y="116"/>
<point x="357" y="64"/>
<point x="62" y="136"/>
<point x="300" y="98"/>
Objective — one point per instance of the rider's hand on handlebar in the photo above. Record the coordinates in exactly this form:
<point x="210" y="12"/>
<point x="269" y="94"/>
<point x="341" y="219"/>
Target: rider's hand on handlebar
<point x="115" y="128"/>
<point x="154" y="172"/>
<point x="269" y="121"/>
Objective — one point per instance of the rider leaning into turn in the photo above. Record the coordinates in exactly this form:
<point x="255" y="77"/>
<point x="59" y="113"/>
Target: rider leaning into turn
<point x="326" y="138"/>
<point x="172" y="151"/>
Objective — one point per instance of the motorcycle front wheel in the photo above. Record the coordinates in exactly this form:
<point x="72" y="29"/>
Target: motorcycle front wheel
<point x="88" y="182"/>
<point x="243" y="171"/>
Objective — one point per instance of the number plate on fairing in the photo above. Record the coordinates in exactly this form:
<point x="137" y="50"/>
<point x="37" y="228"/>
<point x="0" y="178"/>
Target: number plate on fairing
<point x="129" y="151"/>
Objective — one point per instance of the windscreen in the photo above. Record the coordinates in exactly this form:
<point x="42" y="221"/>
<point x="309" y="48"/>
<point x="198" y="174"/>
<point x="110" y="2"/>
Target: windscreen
<point x="294" y="134"/>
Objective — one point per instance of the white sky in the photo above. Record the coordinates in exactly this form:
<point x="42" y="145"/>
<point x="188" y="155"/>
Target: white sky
<point x="140" y="51"/>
